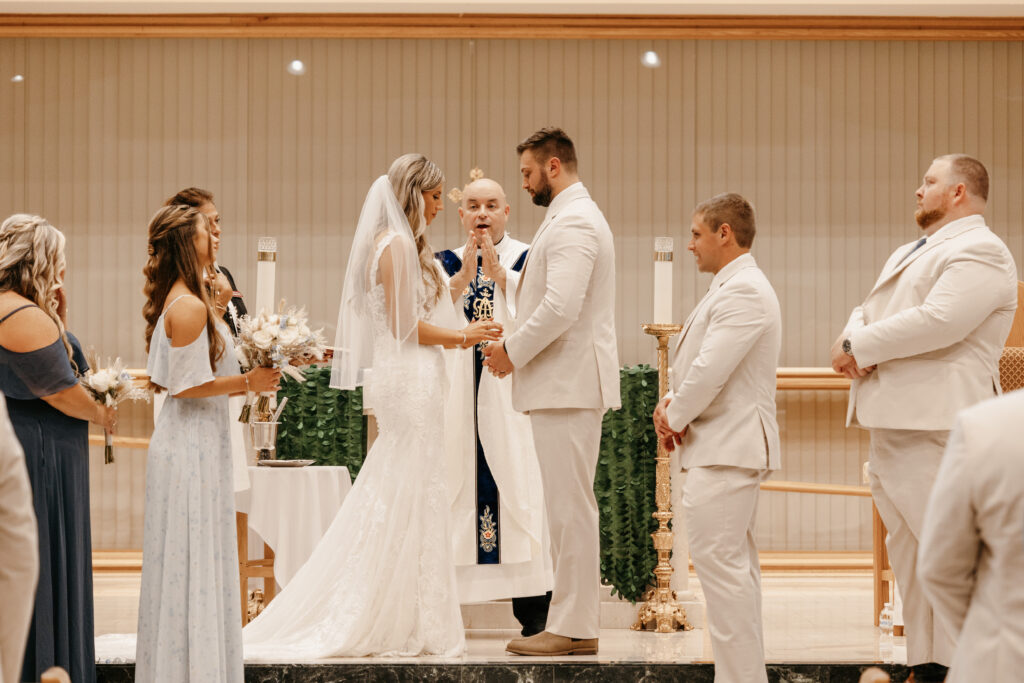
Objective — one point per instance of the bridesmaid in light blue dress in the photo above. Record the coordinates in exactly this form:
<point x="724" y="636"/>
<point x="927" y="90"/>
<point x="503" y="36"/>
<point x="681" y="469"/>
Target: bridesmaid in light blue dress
<point x="190" y="625"/>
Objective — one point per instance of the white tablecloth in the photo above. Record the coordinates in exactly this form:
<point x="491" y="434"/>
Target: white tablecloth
<point x="291" y="508"/>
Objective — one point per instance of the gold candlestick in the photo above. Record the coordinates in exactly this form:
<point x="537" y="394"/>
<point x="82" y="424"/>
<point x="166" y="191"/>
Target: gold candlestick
<point x="660" y="608"/>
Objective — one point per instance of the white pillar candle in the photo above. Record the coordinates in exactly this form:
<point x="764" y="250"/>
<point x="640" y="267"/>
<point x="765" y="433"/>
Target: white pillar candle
<point x="663" y="280"/>
<point x="266" y="262"/>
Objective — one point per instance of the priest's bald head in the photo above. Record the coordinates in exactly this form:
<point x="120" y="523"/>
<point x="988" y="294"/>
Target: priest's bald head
<point x="484" y="209"/>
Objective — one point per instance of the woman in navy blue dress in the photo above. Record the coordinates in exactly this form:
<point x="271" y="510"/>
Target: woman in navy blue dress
<point x="50" y="412"/>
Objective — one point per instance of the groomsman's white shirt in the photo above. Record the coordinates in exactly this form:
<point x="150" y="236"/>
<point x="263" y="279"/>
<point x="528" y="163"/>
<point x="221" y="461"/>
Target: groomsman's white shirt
<point x="564" y="348"/>
<point x="971" y="559"/>
<point x="507" y="439"/>
<point x="935" y="324"/>
<point x="724" y="366"/>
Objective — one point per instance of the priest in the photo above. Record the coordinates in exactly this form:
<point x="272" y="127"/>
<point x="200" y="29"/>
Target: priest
<point x="499" y="530"/>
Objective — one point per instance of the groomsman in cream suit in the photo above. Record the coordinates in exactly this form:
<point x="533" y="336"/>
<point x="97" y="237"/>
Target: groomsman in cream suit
<point x="19" y="551"/>
<point x="720" y="413"/>
<point x="971" y="560"/>
<point x="565" y="374"/>
<point x="924" y="344"/>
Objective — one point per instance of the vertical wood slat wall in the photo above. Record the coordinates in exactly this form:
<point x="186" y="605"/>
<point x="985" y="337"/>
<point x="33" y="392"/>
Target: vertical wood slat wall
<point x="828" y="139"/>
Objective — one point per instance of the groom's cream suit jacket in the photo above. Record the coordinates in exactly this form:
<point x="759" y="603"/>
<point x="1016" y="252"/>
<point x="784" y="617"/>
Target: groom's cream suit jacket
<point x="564" y="347"/>
<point x="935" y="324"/>
<point x="723" y="368"/>
<point x="971" y="559"/>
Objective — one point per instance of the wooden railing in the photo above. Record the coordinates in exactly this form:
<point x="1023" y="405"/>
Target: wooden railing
<point x="786" y="379"/>
<point x="808" y="487"/>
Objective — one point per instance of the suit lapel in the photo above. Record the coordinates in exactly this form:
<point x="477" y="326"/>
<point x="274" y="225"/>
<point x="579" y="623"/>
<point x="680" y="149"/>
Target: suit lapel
<point x="932" y="242"/>
<point x="574" y="192"/>
<point x="700" y="304"/>
<point x="534" y="243"/>
<point x="691" y="318"/>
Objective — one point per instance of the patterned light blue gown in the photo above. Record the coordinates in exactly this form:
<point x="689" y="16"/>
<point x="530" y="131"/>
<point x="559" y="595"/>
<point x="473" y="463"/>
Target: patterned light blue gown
<point x="189" y="615"/>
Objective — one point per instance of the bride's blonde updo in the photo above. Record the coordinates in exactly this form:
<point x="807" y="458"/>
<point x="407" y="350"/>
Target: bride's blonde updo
<point x="411" y="175"/>
<point x="31" y="263"/>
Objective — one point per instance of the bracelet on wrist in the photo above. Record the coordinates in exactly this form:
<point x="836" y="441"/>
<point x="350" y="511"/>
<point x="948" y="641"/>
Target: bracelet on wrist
<point x="463" y="344"/>
<point x="245" y="376"/>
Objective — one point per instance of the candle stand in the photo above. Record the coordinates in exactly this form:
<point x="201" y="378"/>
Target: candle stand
<point x="660" y="609"/>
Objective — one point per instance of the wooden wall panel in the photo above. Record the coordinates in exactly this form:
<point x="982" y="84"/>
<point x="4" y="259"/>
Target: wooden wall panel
<point x="827" y="138"/>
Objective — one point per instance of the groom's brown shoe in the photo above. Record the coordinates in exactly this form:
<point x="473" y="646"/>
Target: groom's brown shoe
<point x="546" y="644"/>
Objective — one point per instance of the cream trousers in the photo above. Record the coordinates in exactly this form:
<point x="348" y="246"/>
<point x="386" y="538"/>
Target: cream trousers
<point x="904" y="464"/>
<point x="567" y="442"/>
<point x="720" y="504"/>
<point x="19" y="552"/>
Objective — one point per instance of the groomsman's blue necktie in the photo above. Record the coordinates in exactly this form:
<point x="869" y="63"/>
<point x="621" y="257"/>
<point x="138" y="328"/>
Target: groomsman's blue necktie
<point x="917" y="246"/>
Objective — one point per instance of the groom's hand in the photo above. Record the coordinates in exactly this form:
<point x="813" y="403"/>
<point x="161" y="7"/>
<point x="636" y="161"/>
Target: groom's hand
<point x="497" y="361"/>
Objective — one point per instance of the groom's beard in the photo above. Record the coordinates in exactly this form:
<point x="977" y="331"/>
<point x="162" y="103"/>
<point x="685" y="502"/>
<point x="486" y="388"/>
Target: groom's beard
<point x="542" y="195"/>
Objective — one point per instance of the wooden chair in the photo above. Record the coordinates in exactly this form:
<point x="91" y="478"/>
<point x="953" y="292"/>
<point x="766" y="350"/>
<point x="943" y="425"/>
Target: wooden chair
<point x="1011" y="377"/>
<point x="1011" y="364"/>
<point x="257" y="569"/>
<point x="882" y="577"/>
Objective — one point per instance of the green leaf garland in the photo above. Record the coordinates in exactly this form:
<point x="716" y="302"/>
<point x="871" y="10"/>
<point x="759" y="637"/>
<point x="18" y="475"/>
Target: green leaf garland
<point x="624" y="486"/>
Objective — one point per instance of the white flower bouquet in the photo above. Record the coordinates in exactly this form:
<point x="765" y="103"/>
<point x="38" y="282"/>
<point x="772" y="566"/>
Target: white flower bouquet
<point x="109" y="386"/>
<point x="276" y="340"/>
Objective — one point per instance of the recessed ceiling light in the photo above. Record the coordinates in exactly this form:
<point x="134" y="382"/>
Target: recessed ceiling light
<point x="296" y="67"/>
<point x="17" y="78"/>
<point x="650" y="59"/>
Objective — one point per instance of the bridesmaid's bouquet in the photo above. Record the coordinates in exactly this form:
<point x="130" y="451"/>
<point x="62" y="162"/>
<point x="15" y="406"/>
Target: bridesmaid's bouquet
<point x="276" y="340"/>
<point x="110" y="385"/>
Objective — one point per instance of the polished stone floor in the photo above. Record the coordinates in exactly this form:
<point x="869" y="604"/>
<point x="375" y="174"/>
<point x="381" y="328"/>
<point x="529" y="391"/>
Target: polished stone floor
<point x="810" y="620"/>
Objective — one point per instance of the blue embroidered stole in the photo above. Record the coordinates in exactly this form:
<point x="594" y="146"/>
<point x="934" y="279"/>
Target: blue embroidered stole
<point x="479" y="304"/>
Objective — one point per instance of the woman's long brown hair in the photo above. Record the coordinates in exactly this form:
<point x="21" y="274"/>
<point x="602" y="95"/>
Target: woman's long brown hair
<point x="172" y="256"/>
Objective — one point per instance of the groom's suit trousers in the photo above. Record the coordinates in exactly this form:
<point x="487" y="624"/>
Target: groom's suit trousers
<point x="567" y="441"/>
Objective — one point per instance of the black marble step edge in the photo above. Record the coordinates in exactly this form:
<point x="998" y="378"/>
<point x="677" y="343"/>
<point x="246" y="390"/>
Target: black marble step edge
<point x="525" y="672"/>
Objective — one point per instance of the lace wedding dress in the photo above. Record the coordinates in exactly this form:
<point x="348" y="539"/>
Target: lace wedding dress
<point x="381" y="581"/>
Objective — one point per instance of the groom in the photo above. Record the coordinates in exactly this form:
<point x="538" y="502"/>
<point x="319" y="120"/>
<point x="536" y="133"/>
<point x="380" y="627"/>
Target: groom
<point x="566" y="376"/>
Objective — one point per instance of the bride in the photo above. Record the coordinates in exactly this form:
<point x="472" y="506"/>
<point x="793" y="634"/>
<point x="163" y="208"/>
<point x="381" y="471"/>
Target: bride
<point x="382" y="581"/>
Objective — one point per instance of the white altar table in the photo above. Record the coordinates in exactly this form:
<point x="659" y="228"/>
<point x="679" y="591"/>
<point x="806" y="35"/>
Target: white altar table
<point x="290" y="508"/>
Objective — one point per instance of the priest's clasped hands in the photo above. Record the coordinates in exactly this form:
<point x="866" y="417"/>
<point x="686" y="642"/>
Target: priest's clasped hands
<point x="490" y="263"/>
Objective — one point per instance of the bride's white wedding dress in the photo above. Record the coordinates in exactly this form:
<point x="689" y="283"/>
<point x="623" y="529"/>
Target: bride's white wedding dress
<point x="381" y="581"/>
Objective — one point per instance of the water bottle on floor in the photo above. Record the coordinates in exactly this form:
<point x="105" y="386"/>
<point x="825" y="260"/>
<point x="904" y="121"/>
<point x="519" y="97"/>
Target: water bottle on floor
<point x="885" y="644"/>
<point x="885" y="619"/>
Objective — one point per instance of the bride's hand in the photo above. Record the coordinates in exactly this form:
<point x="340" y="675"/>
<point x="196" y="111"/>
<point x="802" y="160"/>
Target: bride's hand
<point x="481" y="330"/>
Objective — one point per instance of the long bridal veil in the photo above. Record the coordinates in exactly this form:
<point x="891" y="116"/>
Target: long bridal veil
<point x="399" y="276"/>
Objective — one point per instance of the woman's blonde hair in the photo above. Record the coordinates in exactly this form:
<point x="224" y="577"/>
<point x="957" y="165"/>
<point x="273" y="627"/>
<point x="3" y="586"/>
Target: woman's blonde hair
<point x="411" y="175"/>
<point x="31" y="263"/>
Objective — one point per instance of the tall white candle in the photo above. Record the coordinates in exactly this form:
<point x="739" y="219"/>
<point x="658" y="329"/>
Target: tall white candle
<point x="266" y="262"/>
<point x="663" y="280"/>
